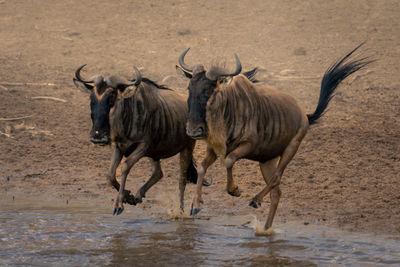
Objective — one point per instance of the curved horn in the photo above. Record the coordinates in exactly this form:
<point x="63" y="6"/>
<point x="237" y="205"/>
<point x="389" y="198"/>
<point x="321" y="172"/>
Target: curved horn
<point x="78" y="75"/>
<point x="115" y="82"/>
<point x="215" y="73"/>
<point x="138" y="79"/>
<point x="182" y="62"/>
<point x="238" y="66"/>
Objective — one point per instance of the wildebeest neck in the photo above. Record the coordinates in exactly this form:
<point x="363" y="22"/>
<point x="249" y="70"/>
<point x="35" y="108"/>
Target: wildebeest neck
<point x="149" y="113"/>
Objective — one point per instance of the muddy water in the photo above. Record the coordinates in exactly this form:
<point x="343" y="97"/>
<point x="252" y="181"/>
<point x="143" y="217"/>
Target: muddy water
<point x="58" y="234"/>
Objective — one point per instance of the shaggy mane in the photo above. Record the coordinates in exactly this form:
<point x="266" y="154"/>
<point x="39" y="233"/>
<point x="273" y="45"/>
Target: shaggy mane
<point x="149" y="111"/>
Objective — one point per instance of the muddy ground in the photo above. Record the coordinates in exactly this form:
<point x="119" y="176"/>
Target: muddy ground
<point x="346" y="172"/>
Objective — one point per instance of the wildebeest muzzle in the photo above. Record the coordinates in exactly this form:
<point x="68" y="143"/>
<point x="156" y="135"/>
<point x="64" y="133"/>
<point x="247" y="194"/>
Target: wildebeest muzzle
<point x="100" y="138"/>
<point x="198" y="131"/>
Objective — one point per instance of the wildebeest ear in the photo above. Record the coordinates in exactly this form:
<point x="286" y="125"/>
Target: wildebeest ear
<point x="82" y="86"/>
<point x="181" y="72"/>
<point x="127" y="92"/>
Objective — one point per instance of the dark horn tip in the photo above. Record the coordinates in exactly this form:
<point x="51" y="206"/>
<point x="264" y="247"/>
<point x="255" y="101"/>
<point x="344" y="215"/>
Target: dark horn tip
<point x="138" y="79"/>
<point x="238" y="65"/>
<point x="77" y="71"/>
<point x="185" y="52"/>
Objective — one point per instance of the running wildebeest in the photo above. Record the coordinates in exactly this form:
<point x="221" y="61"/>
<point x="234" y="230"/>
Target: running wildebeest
<point x="240" y="119"/>
<point x="143" y="119"/>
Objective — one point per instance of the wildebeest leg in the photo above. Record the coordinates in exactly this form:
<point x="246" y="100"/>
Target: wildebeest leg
<point x="232" y="189"/>
<point x="207" y="162"/>
<point x="137" y="154"/>
<point x="185" y="158"/>
<point x="241" y="151"/>
<point x="275" y="180"/>
<point x="275" y="196"/>
<point x="155" y="177"/>
<point x="268" y="170"/>
<point x="115" y="161"/>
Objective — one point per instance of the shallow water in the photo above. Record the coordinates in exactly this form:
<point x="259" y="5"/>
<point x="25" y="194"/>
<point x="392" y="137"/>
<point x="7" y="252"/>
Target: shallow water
<point x="38" y="233"/>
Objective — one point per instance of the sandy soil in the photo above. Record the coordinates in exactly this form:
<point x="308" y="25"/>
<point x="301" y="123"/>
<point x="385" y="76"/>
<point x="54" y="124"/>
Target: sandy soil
<point x="346" y="172"/>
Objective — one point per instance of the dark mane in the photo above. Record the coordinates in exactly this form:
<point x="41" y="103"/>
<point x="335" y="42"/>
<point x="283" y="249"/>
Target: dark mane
<point x="151" y="82"/>
<point x="148" y="112"/>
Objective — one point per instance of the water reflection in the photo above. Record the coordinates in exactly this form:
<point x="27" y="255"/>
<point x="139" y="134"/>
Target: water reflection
<point x="37" y="233"/>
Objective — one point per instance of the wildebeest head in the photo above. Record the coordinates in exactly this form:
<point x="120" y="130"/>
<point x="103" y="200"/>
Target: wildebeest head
<point x="201" y="86"/>
<point x="103" y="95"/>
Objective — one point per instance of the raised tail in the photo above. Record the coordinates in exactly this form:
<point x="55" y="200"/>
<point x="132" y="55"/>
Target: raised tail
<point x="191" y="174"/>
<point x="333" y="77"/>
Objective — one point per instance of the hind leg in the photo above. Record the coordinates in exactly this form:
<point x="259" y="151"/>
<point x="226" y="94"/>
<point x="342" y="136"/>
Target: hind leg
<point x="275" y="196"/>
<point x="275" y="179"/>
<point x="268" y="169"/>
<point x="155" y="177"/>
<point x="239" y="152"/>
<point x="207" y="162"/>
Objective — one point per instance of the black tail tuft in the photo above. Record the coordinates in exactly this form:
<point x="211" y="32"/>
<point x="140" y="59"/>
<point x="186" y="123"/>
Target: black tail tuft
<point x="191" y="175"/>
<point x="333" y="77"/>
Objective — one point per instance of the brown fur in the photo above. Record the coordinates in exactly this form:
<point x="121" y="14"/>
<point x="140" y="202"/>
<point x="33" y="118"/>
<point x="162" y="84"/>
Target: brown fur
<point x="156" y="116"/>
<point x="246" y="120"/>
<point x="241" y="111"/>
<point x="148" y="123"/>
<point x="240" y="119"/>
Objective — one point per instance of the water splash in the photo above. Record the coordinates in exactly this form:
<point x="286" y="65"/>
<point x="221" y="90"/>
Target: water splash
<point x="173" y="209"/>
<point x="259" y="230"/>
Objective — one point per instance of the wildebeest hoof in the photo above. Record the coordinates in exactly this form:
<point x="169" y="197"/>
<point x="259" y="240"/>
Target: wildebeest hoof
<point x="235" y="192"/>
<point x="205" y="183"/>
<point x="194" y="211"/>
<point x="254" y="204"/>
<point x="118" y="211"/>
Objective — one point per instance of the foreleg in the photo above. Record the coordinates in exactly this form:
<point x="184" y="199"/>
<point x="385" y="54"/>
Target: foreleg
<point x="111" y="176"/>
<point x="137" y="154"/>
<point x="207" y="162"/>
<point x="241" y="151"/>
<point x="155" y="177"/>
<point x="115" y="161"/>
<point x="185" y="159"/>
